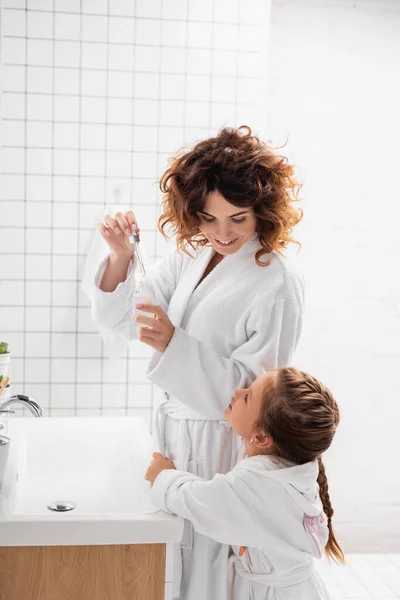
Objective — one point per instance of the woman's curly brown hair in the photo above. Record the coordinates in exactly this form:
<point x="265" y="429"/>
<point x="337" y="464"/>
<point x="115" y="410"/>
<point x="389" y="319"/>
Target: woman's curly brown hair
<point x="247" y="173"/>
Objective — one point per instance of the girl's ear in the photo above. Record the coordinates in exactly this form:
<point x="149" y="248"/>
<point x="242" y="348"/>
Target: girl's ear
<point x="262" y="440"/>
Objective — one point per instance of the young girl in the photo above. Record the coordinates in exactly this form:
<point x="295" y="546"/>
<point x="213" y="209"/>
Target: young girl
<point x="270" y="506"/>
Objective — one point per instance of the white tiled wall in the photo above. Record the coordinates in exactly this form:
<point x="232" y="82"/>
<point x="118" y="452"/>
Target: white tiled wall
<point x="98" y="94"/>
<point x="335" y="91"/>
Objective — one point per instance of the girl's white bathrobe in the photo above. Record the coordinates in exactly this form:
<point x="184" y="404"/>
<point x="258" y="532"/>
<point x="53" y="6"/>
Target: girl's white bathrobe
<point x="240" y="320"/>
<point x="272" y="516"/>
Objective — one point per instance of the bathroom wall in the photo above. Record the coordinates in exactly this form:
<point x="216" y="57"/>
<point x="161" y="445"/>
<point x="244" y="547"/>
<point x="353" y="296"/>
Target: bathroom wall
<point x="95" y="95"/>
<point x="335" y="92"/>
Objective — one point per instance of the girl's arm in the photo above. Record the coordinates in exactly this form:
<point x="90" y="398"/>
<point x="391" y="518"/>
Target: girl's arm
<point x="220" y="508"/>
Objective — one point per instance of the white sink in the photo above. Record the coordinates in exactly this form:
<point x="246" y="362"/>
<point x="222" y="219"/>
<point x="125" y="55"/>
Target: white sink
<point x="98" y="464"/>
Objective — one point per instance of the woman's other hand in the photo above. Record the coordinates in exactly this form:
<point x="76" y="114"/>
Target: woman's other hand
<point x="117" y="230"/>
<point x="158" y="464"/>
<point x="157" y="330"/>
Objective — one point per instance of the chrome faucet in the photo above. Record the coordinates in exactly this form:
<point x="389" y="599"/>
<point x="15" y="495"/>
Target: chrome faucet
<point x="25" y="401"/>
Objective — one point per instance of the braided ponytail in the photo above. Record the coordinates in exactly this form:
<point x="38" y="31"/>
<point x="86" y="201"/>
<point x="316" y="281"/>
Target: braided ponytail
<point x="332" y="548"/>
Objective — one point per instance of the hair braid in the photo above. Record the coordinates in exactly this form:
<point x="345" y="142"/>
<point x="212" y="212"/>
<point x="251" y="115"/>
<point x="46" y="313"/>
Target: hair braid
<point x="332" y="548"/>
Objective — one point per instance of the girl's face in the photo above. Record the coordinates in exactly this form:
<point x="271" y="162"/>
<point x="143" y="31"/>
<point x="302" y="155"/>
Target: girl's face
<point x="227" y="227"/>
<point x="245" y="407"/>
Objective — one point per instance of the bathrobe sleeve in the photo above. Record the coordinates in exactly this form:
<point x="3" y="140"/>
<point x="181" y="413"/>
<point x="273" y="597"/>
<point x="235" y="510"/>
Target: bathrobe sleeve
<point x="114" y="310"/>
<point x="220" y="508"/>
<point x="198" y="376"/>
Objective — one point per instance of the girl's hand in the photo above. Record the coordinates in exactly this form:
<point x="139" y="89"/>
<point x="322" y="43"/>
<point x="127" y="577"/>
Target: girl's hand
<point x="158" y="329"/>
<point x="158" y="464"/>
<point x="117" y="231"/>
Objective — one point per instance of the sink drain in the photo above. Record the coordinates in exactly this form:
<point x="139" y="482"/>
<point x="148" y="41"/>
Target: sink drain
<point x="60" y="506"/>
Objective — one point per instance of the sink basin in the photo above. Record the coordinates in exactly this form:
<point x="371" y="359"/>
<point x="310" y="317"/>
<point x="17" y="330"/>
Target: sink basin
<point x="98" y="465"/>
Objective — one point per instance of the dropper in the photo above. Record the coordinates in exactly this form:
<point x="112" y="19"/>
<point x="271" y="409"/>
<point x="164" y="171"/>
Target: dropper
<point x="135" y="239"/>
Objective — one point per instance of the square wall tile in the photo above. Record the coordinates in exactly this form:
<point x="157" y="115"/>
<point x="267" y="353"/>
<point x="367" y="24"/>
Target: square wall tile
<point x="11" y="293"/>
<point x="14" y="51"/>
<point x="37" y="319"/>
<point x="37" y="345"/>
<point x="40" y="52"/>
<point x="13" y="78"/>
<point x="39" y="80"/>
<point x="121" y="30"/>
<point x="38" y="160"/>
<point x="88" y="370"/>
<point x="62" y="395"/>
<point x="64" y="293"/>
<point x="174" y="33"/>
<point x="63" y="345"/>
<point x="37" y="370"/>
<point x="39" y="107"/>
<point x="40" y="24"/>
<point x="120" y="57"/>
<point x="63" y="319"/>
<point x="148" y="32"/>
<point x="65" y="241"/>
<point x="148" y="9"/>
<point x="64" y="268"/>
<point x="89" y="345"/>
<point x="119" y="137"/>
<point x="95" y="7"/>
<point x="120" y="84"/>
<point x="114" y="395"/>
<point x="38" y="214"/>
<point x="94" y="28"/>
<point x="66" y="135"/>
<point x="66" y="188"/>
<point x="14" y="21"/>
<point x="62" y="369"/>
<point x="147" y="58"/>
<point x="37" y="293"/>
<point x="13" y="160"/>
<point x="66" y="54"/>
<point x="38" y="188"/>
<point x="38" y="240"/>
<point x="66" y="81"/>
<point x="38" y="266"/>
<point x="93" y="110"/>
<point x="13" y="106"/>
<point x="39" y="134"/>
<point x="12" y="214"/>
<point x="13" y="133"/>
<point x="88" y="396"/>
<point x="94" y="83"/>
<point x="122" y="8"/>
<point x="67" y="26"/>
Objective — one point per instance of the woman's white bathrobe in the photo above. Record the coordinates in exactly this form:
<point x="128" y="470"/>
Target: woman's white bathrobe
<point x="270" y="510"/>
<point x="240" y="320"/>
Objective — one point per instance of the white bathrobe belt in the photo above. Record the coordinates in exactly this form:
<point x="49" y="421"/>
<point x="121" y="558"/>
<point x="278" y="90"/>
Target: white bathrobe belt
<point x="176" y="410"/>
<point x="299" y="575"/>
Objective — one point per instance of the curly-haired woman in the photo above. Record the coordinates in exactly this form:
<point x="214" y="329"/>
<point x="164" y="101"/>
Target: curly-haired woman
<point x="227" y="306"/>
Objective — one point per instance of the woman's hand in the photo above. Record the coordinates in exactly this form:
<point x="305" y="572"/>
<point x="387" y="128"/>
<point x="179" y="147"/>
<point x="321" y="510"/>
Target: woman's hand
<point x="157" y="330"/>
<point x="158" y="464"/>
<point x="117" y="231"/>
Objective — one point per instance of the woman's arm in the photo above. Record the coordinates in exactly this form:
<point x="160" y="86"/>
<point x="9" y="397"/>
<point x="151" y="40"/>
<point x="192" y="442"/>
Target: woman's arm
<point x="116" y="271"/>
<point x="198" y="376"/>
<point x="114" y="309"/>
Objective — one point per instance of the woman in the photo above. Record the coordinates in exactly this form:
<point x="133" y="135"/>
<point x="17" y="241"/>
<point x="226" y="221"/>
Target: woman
<point x="227" y="305"/>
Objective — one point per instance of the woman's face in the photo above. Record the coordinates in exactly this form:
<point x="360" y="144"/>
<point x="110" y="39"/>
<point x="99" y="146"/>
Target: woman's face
<point x="227" y="227"/>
